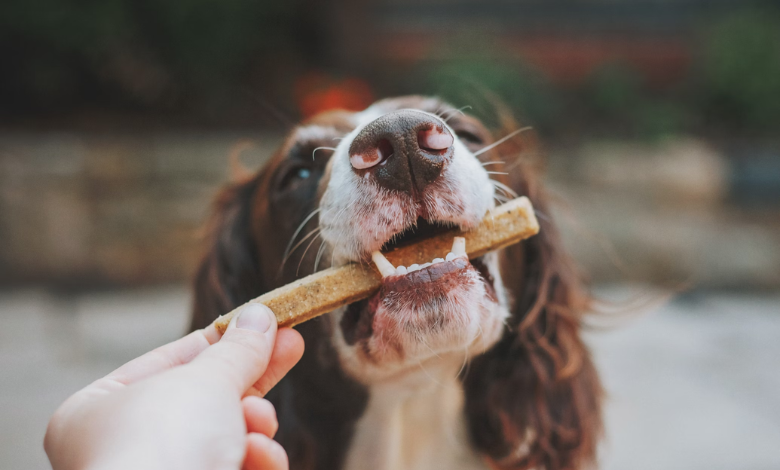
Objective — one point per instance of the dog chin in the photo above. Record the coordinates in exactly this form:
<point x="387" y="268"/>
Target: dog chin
<point x="409" y="323"/>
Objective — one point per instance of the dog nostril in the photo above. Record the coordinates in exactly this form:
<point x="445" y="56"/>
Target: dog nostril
<point x="379" y="154"/>
<point x="362" y="161"/>
<point x="434" y="140"/>
<point x="404" y="150"/>
<point x="385" y="150"/>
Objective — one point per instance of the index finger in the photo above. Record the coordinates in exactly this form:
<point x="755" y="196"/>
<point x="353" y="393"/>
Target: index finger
<point x="165" y="357"/>
<point x="241" y="356"/>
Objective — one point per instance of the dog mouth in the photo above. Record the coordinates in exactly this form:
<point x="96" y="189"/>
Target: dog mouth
<point x="429" y="273"/>
<point x="428" y="289"/>
<point x="431" y="281"/>
<point x="391" y="273"/>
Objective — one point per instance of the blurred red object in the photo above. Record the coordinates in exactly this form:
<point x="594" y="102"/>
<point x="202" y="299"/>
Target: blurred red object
<point x="317" y="92"/>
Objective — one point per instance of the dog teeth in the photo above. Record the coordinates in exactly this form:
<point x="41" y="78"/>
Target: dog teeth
<point x="414" y="267"/>
<point x="401" y="270"/>
<point x="385" y="267"/>
<point x="459" y="247"/>
<point x="450" y="256"/>
<point x="437" y="260"/>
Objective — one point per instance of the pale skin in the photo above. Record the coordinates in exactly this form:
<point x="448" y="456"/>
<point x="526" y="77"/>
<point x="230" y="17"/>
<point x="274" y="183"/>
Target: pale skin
<point x="194" y="404"/>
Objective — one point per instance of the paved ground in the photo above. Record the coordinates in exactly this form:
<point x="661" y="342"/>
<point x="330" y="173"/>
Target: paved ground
<point x="694" y="384"/>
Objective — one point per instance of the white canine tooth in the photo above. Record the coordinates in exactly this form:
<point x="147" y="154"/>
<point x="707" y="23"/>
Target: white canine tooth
<point x="414" y="267"/>
<point x="450" y="256"/>
<point x="401" y="270"/>
<point x="437" y="260"/>
<point x="459" y="246"/>
<point x="385" y="267"/>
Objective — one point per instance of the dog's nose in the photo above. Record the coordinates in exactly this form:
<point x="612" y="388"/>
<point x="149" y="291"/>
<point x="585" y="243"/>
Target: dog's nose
<point x="404" y="150"/>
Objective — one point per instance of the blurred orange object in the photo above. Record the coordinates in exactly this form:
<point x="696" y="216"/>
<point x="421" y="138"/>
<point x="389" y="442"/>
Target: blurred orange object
<point x="317" y="92"/>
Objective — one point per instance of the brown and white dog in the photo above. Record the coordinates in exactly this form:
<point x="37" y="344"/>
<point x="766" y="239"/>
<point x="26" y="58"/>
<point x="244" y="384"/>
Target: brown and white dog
<point x="452" y="365"/>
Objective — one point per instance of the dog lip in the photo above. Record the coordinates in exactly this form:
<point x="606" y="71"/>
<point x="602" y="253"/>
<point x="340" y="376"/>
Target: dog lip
<point x="428" y="274"/>
<point x="420" y="287"/>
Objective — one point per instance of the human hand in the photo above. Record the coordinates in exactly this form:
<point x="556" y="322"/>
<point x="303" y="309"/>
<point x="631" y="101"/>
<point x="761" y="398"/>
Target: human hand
<point x="195" y="403"/>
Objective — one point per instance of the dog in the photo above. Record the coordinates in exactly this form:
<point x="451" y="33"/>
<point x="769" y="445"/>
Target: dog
<point x="476" y="365"/>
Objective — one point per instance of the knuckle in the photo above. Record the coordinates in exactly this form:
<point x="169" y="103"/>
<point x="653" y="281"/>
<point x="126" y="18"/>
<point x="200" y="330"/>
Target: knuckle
<point x="269" y="407"/>
<point x="267" y="411"/>
<point x="251" y="342"/>
<point x="279" y="454"/>
<point x="271" y="413"/>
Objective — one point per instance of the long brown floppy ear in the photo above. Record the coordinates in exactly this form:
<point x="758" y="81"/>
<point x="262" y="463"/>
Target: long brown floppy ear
<point x="533" y="400"/>
<point x="229" y="273"/>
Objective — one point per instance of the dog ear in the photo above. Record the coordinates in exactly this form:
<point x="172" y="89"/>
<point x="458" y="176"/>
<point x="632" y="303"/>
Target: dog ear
<point x="229" y="273"/>
<point x="533" y="400"/>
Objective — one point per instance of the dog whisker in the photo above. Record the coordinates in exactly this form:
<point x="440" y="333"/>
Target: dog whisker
<point x="502" y="194"/>
<point x="500" y="198"/>
<point x="464" y="367"/>
<point x="316" y="231"/>
<point x="425" y="371"/>
<point x="459" y="110"/>
<point x="502" y="140"/>
<point x="497" y="172"/>
<point x="321" y="148"/>
<point x="465" y="362"/>
<point x="542" y="216"/>
<point x="504" y="187"/>
<point x="297" y="231"/>
<point x="498" y="188"/>
<point x="493" y="163"/>
<point x="320" y="251"/>
<point x="298" y="269"/>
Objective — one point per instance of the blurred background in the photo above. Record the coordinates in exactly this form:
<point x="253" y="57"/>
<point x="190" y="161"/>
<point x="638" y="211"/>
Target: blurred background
<point x="659" y="123"/>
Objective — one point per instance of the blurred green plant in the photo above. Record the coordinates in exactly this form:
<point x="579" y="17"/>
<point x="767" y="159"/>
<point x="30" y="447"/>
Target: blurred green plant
<point x="617" y="96"/>
<point x="657" y="119"/>
<point x="740" y="68"/>
<point x="56" y="46"/>
<point x="613" y="89"/>
<point x="481" y="77"/>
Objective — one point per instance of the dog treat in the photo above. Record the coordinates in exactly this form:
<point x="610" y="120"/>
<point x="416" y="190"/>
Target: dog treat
<point x="327" y="290"/>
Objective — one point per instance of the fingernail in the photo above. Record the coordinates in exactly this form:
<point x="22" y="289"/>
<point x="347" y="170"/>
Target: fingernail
<point x="255" y="317"/>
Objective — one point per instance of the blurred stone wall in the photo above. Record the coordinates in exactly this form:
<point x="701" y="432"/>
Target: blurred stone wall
<point x="124" y="209"/>
<point x="666" y="213"/>
<point x="117" y="209"/>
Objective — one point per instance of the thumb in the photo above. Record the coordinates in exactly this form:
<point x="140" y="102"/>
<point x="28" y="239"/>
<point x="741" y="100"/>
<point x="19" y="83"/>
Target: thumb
<point x="241" y="356"/>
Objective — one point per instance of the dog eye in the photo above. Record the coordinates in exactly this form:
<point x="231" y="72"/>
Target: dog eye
<point x="294" y="176"/>
<point x="469" y="138"/>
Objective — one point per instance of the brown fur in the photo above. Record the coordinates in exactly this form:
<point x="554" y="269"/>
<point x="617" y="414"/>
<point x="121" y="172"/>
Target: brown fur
<point x="539" y="380"/>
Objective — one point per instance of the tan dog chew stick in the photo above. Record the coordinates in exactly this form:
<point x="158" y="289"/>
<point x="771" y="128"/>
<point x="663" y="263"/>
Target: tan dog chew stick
<point x="327" y="290"/>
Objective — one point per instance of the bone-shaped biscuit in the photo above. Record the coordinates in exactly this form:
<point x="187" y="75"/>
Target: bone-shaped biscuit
<point x="327" y="290"/>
